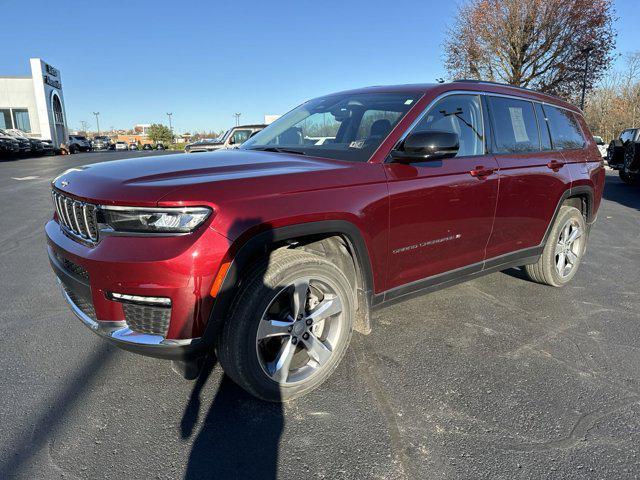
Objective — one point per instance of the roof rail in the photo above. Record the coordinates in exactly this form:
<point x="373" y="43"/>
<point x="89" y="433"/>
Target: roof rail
<point x="488" y="82"/>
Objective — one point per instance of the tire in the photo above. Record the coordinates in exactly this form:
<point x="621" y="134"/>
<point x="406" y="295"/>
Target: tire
<point x="246" y="355"/>
<point x="628" y="178"/>
<point x="548" y="268"/>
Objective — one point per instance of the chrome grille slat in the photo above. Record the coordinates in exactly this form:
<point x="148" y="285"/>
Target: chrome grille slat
<point x="86" y="220"/>
<point x="76" y="217"/>
<point x="77" y="213"/>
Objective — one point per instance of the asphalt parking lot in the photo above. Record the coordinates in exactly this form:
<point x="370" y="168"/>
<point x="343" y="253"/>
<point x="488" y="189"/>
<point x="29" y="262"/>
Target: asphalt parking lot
<point x="495" y="378"/>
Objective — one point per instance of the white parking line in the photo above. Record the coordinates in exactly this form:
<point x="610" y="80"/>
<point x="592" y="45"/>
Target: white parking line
<point x="30" y="177"/>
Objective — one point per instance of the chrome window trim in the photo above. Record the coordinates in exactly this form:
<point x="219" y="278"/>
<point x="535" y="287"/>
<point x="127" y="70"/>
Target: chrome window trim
<point x="426" y="109"/>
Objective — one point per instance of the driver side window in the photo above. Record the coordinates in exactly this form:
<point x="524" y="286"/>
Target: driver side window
<point x="459" y="114"/>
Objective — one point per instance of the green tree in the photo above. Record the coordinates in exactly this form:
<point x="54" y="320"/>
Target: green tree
<point x="160" y="133"/>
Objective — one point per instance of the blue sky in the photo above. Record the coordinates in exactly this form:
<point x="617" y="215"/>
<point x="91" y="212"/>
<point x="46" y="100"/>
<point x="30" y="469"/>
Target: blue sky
<point x="204" y="60"/>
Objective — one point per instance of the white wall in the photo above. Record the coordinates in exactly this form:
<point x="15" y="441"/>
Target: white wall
<point x="17" y="92"/>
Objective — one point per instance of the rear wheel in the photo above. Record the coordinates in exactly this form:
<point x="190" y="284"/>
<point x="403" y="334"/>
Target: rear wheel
<point x="564" y="250"/>
<point x="628" y="178"/>
<point x="288" y="327"/>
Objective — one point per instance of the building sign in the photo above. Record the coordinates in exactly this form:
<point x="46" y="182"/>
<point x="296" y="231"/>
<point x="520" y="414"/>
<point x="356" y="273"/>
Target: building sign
<point x="52" y="71"/>
<point x="51" y="77"/>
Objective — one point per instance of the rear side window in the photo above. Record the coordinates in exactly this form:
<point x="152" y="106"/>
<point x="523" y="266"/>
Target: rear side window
<point x="514" y="124"/>
<point x="543" y="127"/>
<point x="565" y="131"/>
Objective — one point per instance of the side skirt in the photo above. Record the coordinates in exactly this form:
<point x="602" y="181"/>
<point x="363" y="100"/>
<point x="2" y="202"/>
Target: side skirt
<point x="448" y="279"/>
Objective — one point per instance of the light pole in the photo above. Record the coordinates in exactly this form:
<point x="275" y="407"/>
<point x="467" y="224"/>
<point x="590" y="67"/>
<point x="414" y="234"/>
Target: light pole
<point x="237" y="115"/>
<point x="586" y="51"/>
<point x="169" y="115"/>
<point x="97" y="121"/>
<point x="83" y="126"/>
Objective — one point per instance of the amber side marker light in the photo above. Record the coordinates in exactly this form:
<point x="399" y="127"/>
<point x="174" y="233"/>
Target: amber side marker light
<point x="217" y="282"/>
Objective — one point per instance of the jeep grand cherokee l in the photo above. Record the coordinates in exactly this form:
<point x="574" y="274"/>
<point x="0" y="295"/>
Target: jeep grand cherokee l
<point x="272" y="254"/>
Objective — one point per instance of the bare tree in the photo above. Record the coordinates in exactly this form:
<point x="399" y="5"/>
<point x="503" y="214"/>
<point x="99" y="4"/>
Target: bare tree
<point x="541" y="44"/>
<point x="614" y="104"/>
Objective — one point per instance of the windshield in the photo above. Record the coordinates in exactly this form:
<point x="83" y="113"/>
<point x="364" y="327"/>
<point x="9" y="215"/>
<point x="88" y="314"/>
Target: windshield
<point x="344" y="127"/>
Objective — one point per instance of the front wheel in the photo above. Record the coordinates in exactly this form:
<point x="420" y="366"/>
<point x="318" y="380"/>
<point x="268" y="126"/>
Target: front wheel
<point x="288" y="327"/>
<point x="563" y="252"/>
<point x="628" y="178"/>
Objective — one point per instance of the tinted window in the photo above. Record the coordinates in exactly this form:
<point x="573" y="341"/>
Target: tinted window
<point x="459" y="114"/>
<point x="565" y="131"/>
<point x="240" y="136"/>
<point x="543" y="128"/>
<point x="515" y="127"/>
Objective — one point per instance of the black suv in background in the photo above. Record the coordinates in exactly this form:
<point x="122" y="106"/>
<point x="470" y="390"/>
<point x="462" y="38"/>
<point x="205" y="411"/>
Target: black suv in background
<point x="624" y="155"/>
<point x="9" y="146"/>
<point x="24" y="145"/>
<point x="35" y="145"/>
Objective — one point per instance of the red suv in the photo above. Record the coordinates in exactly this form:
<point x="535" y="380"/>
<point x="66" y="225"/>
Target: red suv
<point x="271" y="255"/>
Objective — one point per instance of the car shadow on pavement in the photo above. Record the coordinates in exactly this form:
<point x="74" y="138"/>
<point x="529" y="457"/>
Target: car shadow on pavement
<point x="239" y="435"/>
<point x="617" y="191"/>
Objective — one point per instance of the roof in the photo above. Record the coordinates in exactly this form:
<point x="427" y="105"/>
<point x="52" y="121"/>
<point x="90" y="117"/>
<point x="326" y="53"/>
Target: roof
<point x="464" y="84"/>
<point x="254" y="125"/>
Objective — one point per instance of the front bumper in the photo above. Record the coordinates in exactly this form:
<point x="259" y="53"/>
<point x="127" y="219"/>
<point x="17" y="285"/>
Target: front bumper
<point x="179" y="268"/>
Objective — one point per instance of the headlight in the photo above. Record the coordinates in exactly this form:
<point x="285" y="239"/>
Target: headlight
<point x="154" y="220"/>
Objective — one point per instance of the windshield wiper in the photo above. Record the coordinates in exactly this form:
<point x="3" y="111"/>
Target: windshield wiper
<point x="278" y="149"/>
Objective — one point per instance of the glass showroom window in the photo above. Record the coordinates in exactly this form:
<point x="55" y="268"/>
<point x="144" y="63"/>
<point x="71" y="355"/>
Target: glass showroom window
<point x="21" y="120"/>
<point x="5" y="118"/>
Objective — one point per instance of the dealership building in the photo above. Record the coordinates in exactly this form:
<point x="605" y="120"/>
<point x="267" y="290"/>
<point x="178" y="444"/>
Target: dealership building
<point x="35" y="104"/>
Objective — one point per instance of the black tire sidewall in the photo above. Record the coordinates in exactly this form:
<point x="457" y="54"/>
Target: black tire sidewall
<point x="241" y="327"/>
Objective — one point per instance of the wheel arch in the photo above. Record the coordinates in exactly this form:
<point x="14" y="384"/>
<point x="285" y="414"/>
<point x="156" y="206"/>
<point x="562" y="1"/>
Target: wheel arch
<point x="267" y="239"/>
<point x="582" y="197"/>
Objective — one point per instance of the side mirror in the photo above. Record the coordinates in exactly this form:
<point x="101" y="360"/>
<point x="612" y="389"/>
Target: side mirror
<point x="231" y="140"/>
<point x="427" y="145"/>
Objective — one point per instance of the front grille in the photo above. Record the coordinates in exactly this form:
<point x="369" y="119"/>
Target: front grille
<point x="147" y="319"/>
<point x="86" y="306"/>
<point x="78" y="218"/>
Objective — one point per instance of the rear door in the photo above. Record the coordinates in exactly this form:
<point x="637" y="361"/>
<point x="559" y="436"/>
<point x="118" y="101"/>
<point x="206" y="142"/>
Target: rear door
<point x="533" y="176"/>
<point x="441" y="211"/>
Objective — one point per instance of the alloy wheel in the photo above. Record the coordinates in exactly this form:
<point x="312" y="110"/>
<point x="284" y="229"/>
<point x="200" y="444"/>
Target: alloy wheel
<point x="299" y="330"/>
<point x="569" y="247"/>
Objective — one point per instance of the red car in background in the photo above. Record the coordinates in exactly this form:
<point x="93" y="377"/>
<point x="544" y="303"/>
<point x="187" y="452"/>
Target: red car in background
<point x="272" y="254"/>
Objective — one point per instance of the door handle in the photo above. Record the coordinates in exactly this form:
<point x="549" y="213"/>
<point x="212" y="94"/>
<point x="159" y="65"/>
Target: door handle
<point x="481" y="172"/>
<point x="555" y="165"/>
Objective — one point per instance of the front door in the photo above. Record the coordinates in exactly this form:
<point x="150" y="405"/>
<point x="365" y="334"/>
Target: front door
<point x="441" y="212"/>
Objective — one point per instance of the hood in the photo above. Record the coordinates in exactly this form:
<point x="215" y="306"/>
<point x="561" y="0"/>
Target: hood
<point x="144" y="181"/>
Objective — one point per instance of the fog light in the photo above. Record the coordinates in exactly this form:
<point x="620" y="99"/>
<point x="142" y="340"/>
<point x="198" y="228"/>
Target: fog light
<point x="160" y="301"/>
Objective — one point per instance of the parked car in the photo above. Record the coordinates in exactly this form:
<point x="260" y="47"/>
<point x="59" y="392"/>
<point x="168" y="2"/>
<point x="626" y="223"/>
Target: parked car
<point x="133" y="146"/>
<point x="101" y="143"/>
<point x="624" y="155"/>
<point x="24" y="145"/>
<point x="602" y="147"/>
<point x="160" y="146"/>
<point x="34" y="144"/>
<point x="147" y="146"/>
<point x="121" y="146"/>
<point x="233" y="138"/>
<point x="270" y="255"/>
<point x="9" y="146"/>
<point x="78" y="143"/>
<point x="48" y="148"/>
